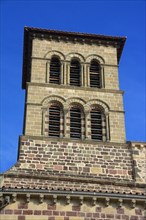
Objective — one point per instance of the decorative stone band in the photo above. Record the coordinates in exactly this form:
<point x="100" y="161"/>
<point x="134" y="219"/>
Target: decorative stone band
<point x="52" y="196"/>
<point x="77" y="88"/>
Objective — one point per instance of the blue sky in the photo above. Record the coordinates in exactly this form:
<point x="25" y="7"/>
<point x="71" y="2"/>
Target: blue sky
<point x="116" y="18"/>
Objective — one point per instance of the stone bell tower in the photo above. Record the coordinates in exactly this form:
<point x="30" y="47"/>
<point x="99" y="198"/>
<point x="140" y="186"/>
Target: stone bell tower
<point x="73" y="70"/>
<point x="74" y="162"/>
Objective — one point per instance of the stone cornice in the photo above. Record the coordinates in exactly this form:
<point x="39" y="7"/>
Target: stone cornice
<point x="71" y="193"/>
<point x="105" y="199"/>
<point x="75" y="87"/>
<point x="64" y="140"/>
<point x="80" y="179"/>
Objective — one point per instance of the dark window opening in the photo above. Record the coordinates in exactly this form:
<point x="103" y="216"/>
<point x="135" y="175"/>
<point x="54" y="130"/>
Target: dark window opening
<point x="75" y="73"/>
<point x="75" y="123"/>
<point x="97" y="125"/>
<point x="54" y="121"/>
<point x="55" y="71"/>
<point x="95" y="74"/>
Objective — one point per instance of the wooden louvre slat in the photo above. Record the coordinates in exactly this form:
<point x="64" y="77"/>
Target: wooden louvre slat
<point x="54" y="71"/>
<point x="54" y="121"/>
<point x="75" y="123"/>
<point x="75" y="73"/>
<point x="96" y="125"/>
<point x="95" y="77"/>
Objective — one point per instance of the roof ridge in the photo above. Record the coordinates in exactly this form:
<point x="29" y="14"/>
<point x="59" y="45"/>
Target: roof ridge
<point x="26" y="28"/>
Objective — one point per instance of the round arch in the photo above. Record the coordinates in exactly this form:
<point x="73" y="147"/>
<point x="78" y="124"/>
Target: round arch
<point x="98" y="58"/>
<point x="53" y="99"/>
<point x="75" y="101"/>
<point x="77" y="56"/>
<point x="102" y="106"/>
<point x="56" y="53"/>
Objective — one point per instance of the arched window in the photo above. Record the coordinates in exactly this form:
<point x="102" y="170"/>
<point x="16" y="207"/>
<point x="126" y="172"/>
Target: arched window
<point x="55" y="69"/>
<point x="55" y="115"/>
<point x="95" y="74"/>
<point x="98" y="124"/>
<point x="75" y="73"/>
<point x="75" y="122"/>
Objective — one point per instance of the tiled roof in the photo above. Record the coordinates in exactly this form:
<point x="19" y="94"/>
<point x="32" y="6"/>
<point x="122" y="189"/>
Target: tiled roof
<point x="75" y="34"/>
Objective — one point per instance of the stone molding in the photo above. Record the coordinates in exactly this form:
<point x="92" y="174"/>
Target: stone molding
<point x="62" y="140"/>
<point x="67" y="197"/>
<point x="132" y="183"/>
<point x="74" y="87"/>
<point x="51" y="53"/>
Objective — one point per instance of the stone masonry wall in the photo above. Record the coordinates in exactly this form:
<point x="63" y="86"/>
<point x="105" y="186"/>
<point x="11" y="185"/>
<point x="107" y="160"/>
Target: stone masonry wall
<point x="21" y="210"/>
<point x="124" y="162"/>
<point x="139" y="161"/>
<point x="42" y="48"/>
<point x="37" y="94"/>
<point x="110" y="161"/>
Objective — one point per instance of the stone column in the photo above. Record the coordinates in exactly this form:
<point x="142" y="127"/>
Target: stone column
<point x="85" y="75"/>
<point x="44" y="111"/>
<point x="82" y="74"/>
<point x="88" y="74"/>
<point x="82" y="125"/>
<point x="102" y="77"/>
<point x="61" y="124"/>
<point x="67" y="73"/>
<point x="66" y="127"/>
<point x="62" y="73"/>
<point x="48" y="71"/>
<point x="107" y="130"/>
<point x="87" y="125"/>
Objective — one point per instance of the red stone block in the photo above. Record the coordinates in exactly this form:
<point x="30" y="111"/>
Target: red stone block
<point x="125" y="217"/>
<point x="20" y="217"/>
<point x="27" y="212"/>
<point x="112" y="171"/>
<point x="17" y="212"/>
<point x="66" y="218"/>
<point x="58" y="167"/>
<point x="110" y="216"/>
<point x="23" y="206"/>
<point x="129" y="172"/>
<point x="81" y="214"/>
<point x="71" y="213"/>
<point x="125" y="172"/>
<point x="96" y="215"/>
<point x="102" y="215"/>
<point x="88" y="214"/>
<point x="134" y="217"/>
<point x="55" y="213"/>
<point x="75" y="208"/>
<point x="45" y="212"/>
<point x="39" y="166"/>
<point x="117" y="216"/>
<point x="51" y="207"/>
<point x="138" y="212"/>
<point x="8" y="211"/>
<point x="120" y="211"/>
<point x="1" y="211"/>
<point x="37" y="212"/>
<point x="51" y="218"/>
<point x="62" y="213"/>
<point x="120" y="171"/>
<point x="98" y="209"/>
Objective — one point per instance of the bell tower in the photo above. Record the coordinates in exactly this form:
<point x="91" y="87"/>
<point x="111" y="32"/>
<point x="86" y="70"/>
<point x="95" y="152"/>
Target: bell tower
<point x="78" y="73"/>
<point x="73" y="160"/>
